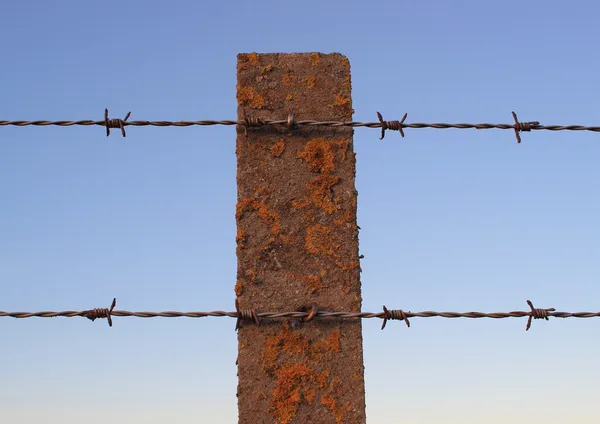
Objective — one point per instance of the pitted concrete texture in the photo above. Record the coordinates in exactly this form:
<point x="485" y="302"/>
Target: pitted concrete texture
<point x="297" y="243"/>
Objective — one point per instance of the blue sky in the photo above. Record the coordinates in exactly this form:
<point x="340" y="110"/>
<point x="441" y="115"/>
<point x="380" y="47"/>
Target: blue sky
<point x="452" y="220"/>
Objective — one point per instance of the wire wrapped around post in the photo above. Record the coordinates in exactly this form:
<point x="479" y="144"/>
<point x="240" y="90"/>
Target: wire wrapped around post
<point x="244" y="315"/>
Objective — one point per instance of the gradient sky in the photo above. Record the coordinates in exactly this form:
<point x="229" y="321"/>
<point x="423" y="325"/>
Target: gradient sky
<point x="454" y="220"/>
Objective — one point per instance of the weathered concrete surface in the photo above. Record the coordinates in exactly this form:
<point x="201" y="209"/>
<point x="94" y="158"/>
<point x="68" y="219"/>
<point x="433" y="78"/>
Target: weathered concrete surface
<point x="297" y="243"/>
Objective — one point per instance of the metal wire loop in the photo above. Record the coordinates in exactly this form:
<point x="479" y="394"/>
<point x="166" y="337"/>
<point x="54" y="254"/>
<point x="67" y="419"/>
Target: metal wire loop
<point x="115" y="123"/>
<point x="537" y="313"/>
<point x="391" y="125"/>
<point x="314" y="311"/>
<point x="92" y="314"/>
<point x="291" y="121"/>
<point x="245" y="315"/>
<point x="522" y="126"/>
<point x="251" y="122"/>
<point x="398" y="314"/>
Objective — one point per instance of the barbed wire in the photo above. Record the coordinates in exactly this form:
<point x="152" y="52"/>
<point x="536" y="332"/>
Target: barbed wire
<point x="292" y="123"/>
<point x="306" y="314"/>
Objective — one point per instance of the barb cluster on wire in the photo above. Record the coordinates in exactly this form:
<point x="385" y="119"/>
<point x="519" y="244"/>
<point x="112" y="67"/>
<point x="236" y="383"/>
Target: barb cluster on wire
<point x="305" y="314"/>
<point x="292" y="123"/>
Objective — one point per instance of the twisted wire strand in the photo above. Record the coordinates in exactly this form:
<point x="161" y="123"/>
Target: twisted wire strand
<point x="308" y="315"/>
<point x="308" y="123"/>
<point x="296" y="314"/>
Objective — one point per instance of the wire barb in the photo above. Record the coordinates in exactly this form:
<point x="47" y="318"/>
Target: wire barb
<point x="244" y="315"/>
<point x="522" y="126"/>
<point x="115" y="123"/>
<point x="537" y="314"/>
<point x="394" y="314"/>
<point x="92" y="314"/>
<point x="391" y="125"/>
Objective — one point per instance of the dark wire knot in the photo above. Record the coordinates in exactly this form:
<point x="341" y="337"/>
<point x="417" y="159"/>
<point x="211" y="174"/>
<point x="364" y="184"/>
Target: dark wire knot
<point x="244" y="315"/>
<point x="398" y="314"/>
<point x="391" y="125"/>
<point x="537" y="313"/>
<point x="250" y="122"/>
<point x="522" y="126"/>
<point x="115" y="123"/>
<point x="92" y="314"/>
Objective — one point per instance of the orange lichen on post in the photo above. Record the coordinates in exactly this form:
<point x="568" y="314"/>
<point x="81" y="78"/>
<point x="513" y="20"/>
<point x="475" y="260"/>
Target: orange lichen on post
<point x="289" y="97"/>
<point x="248" y="60"/>
<point x="269" y="244"/>
<point x="315" y="59"/>
<point x="262" y="192"/>
<point x="320" y="240"/>
<point x="289" y="79"/>
<point x="253" y="58"/>
<point x="300" y="204"/>
<point x="277" y="148"/>
<point x="292" y="358"/>
<point x="314" y="282"/>
<point x="345" y="218"/>
<point x="290" y="390"/>
<point x="341" y="100"/>
<point x="318" y="153"/>
<point x="347" y="83"/>
<point x="288" y="239"/>
<point x="286" y="341"/>
<point x="295" y="384"/>
<point x="247" y="96"/>
<point x="239" y="287"/>
<point x="240" y="238"/>
<point x="346" y="64"/>
<point x="255" y="205"/>
<point x="336" y="407"/>
<point x="321" y="192"/>
<point x="348" y="266"/>
<point x="342" y="145"/>
<point x="290" y="342"/>
<point x="309" y="82"/>
<point x="266" y="69"/>
<point x="333" y="341"/>
<point x="251" y="274"/>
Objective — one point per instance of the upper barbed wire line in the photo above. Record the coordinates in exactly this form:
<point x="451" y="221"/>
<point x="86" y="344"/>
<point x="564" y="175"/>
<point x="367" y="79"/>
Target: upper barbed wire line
<point x="414" y="125"/>
<point x="297" y="314"/>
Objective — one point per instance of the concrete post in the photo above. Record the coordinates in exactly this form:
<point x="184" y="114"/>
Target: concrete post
<point x="297" y="243"/>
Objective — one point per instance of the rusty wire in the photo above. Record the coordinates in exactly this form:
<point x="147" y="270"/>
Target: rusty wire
<point x="307" y="314"/>
<point x="290" y="122"/>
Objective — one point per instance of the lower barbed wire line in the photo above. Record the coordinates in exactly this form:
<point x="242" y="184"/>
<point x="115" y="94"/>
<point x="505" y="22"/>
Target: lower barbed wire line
<point x="309" y="123"/>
